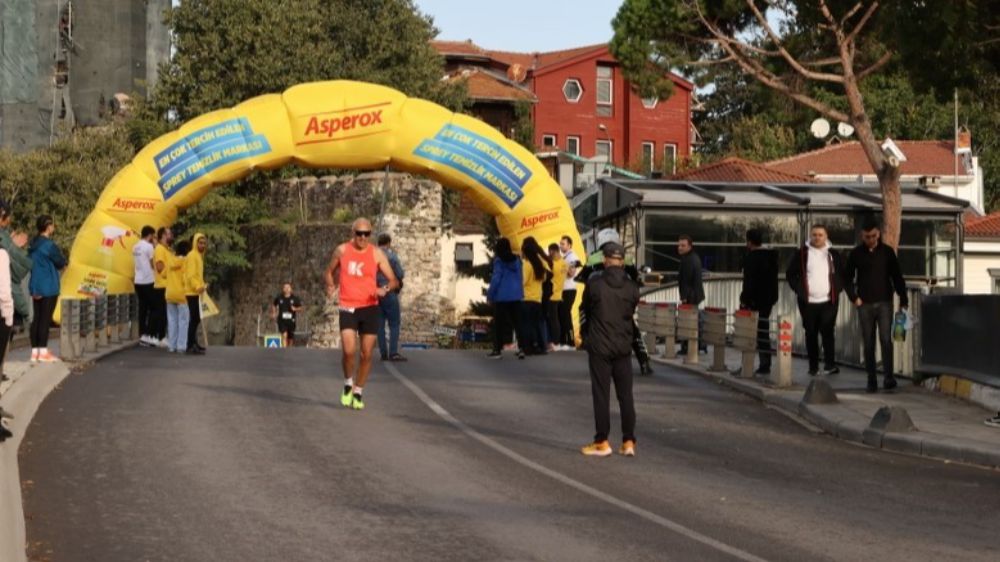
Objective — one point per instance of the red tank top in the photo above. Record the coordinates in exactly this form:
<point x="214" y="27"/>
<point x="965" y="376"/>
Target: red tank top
<point x="357" y="277"/>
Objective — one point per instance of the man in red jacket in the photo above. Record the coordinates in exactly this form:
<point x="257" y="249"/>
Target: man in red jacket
<point x="352" y="272"/>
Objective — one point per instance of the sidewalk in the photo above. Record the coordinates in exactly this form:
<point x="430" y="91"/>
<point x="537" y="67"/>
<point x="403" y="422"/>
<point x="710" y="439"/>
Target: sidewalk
<point x="944" y="427"/>
<point x="30" y="384"/>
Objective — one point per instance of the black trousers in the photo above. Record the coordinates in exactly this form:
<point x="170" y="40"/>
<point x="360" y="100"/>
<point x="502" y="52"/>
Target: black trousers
<point x="566" y="336"/>
<point x="194" y="307"/>
<point x="144" y="294"/>
<point x="5" y="334"/>
<point x="553" y="322"/>
<point x="602" y="371"/>
<point x="764" y="337"/>
<point x="530" y="338"/>
<point x="506" y="322"/>
<point x="872" y="316"/>
<point x="158" y="314"/>
<point x="819" y="319"/>
<point x="41" y="321"/>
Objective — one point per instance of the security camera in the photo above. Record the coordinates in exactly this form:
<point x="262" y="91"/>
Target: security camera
<point x="892" y="153"/>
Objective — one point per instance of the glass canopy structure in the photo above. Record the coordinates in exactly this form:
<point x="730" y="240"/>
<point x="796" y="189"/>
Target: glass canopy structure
<point x="651" y="214"/>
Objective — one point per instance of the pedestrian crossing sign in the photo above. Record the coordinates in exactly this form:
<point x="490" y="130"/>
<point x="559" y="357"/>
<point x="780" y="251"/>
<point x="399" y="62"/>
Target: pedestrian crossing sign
<point x="272" y="340"/>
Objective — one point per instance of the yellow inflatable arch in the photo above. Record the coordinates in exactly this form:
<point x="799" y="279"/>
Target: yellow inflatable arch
<point x="336" y="124"/>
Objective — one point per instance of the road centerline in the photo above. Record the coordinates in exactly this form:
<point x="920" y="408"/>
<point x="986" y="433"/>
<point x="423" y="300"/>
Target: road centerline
<point x="567" y="480"/>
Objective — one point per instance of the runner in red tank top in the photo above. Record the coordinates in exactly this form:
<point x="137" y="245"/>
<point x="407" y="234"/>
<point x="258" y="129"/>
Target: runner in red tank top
<point x="352" y="272"/>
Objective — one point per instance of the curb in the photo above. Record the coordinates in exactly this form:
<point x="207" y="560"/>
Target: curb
<point x="23" y="400"/>
<point x="844" y="424"/>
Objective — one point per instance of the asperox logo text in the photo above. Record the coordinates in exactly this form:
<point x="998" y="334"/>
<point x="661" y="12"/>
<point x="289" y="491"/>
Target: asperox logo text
<point x="344" y="124"/>
<point x="537" y="219"/>
<point x="133" y="205"/>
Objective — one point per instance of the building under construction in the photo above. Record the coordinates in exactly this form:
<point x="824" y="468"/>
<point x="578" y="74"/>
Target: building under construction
<point x="68" y="63"/>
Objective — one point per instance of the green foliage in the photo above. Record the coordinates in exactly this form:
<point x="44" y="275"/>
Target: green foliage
<point x="64" y="180"/>
<point x="232" y="50"/>
<point x="524" y="127"/>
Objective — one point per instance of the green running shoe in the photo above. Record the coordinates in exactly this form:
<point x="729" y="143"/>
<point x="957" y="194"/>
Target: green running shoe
<point x="345" y="398"/>
<point x="358" y="403"/>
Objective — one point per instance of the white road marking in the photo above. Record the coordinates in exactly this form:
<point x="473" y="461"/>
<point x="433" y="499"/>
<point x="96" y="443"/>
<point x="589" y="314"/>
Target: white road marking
<point x="560" y="477"/>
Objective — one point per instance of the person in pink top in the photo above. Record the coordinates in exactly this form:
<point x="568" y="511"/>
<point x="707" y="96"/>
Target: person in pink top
<point x="352" y="272"/>
<point x="6" y="323"/>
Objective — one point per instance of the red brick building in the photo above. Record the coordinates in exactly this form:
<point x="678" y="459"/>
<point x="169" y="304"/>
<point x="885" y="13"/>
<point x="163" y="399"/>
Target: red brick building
<point x="580" y="103"/>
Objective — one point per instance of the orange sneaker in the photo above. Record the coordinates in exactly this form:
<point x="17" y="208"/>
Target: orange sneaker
<point x="597" y="449"/>
<point x="44" y="356"/>
<point x="627" y="448"/>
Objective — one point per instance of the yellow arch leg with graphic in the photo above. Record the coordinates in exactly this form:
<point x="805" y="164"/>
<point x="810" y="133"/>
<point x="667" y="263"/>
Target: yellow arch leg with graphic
<point x="337" y="124"/>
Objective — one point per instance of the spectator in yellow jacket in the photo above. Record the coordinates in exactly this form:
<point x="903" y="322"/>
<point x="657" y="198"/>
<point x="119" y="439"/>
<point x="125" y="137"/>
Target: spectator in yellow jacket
<point x="178" y="315"/>
<point x="194" y="279"/>
<point x="537" y="266"/>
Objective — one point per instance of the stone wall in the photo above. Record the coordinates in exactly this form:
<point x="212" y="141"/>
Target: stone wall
<point x="313" y="215"/>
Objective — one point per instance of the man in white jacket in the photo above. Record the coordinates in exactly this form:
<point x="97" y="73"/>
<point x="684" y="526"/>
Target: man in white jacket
<point x="815" y="274"/>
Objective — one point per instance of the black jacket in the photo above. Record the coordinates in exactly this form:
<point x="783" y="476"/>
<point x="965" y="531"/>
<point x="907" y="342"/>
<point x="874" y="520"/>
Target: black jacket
<point x="799" y="282"/>
<point x="689" y="279"/>
<point x="873" y="275"/>
<point x="760" y="279"/>
<point x="609" y="301"/>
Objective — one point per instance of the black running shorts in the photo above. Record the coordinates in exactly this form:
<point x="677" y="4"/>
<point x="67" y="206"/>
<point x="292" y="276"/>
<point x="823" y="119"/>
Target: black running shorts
<point x="286" y="327"/>
<point x="364" y="321"/>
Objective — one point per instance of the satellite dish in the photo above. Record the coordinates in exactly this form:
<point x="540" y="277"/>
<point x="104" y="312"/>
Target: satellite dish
<point x="845" y="130"/>
<point x="820" y="128"/>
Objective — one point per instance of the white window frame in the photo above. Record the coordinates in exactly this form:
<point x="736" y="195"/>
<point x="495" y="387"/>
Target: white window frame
<point x="611" y="86"/>
<point x="576" y="139"/>
<point x="670" y="151"/>
<point x="652" y="156"/>
<point x="579" y="86"/>
<point x="553" y="144"/>
<point x="994" y="280"/>
<point x="611" y="149"/>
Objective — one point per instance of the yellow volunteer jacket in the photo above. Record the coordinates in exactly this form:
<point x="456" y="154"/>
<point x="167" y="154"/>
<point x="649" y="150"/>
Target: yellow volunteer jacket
<point x="176" y="287"/>
<point x="532" y="286"/>
<point x="194" y="268"/>
<point x="559" y="268"/>
<point x="161" y="253"/>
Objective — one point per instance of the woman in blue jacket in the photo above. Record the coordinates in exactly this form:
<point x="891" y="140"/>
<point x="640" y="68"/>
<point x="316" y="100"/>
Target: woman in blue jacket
<point x="505" y="293"/>
<point x="47" y="261"/>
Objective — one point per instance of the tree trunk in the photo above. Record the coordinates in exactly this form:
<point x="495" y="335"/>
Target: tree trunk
<point x="888" y="176"/>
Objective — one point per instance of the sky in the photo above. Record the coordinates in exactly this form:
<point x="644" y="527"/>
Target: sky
<point x="523" y="25"/>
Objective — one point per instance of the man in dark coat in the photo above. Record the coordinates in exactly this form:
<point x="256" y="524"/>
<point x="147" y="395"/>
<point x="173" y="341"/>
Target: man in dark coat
<point x="871" y="276"/>
<point x="689" y="282"/>
<point x="609" y="302"/>
<point x="760" y="292"/>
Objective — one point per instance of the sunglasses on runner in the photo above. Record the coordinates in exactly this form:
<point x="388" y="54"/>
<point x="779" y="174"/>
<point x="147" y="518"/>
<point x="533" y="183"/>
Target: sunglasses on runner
<point x="363" y="233"/>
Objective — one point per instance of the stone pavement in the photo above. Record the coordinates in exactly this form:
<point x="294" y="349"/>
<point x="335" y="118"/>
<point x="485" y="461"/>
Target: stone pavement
<point x="942" y="427"/>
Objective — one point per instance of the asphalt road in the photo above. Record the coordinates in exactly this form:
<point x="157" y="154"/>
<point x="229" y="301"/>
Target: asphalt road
<point x="246" y="454"/>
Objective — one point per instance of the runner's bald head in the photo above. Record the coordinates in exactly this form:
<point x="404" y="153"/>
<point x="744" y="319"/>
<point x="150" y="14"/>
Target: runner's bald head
<point x="362" y="224"/>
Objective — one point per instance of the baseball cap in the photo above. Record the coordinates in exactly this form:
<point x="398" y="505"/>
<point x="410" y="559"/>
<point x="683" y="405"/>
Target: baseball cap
<point x="614" y="250"/>
<point x="607" y="235"/>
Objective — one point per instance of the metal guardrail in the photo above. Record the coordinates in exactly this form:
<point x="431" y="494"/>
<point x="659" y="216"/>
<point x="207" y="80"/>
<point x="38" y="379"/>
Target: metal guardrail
<point x="723" y="291"/>
<point x="672" y="322"/>
<point x="89" y="324"/>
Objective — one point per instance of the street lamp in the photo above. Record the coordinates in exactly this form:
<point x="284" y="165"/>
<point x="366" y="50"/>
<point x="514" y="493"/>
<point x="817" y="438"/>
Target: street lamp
<point x="611" y="155"/>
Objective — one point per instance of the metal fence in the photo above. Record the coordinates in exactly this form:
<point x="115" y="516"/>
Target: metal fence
<point x="723" y="291"/>
<point x="960" y="336"/>
<point x="89" y="324"/>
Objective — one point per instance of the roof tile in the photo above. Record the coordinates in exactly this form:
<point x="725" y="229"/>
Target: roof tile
<point x="983" y="227"/>
<point x="738" y="170"/>
<point x="923" y="158"/>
